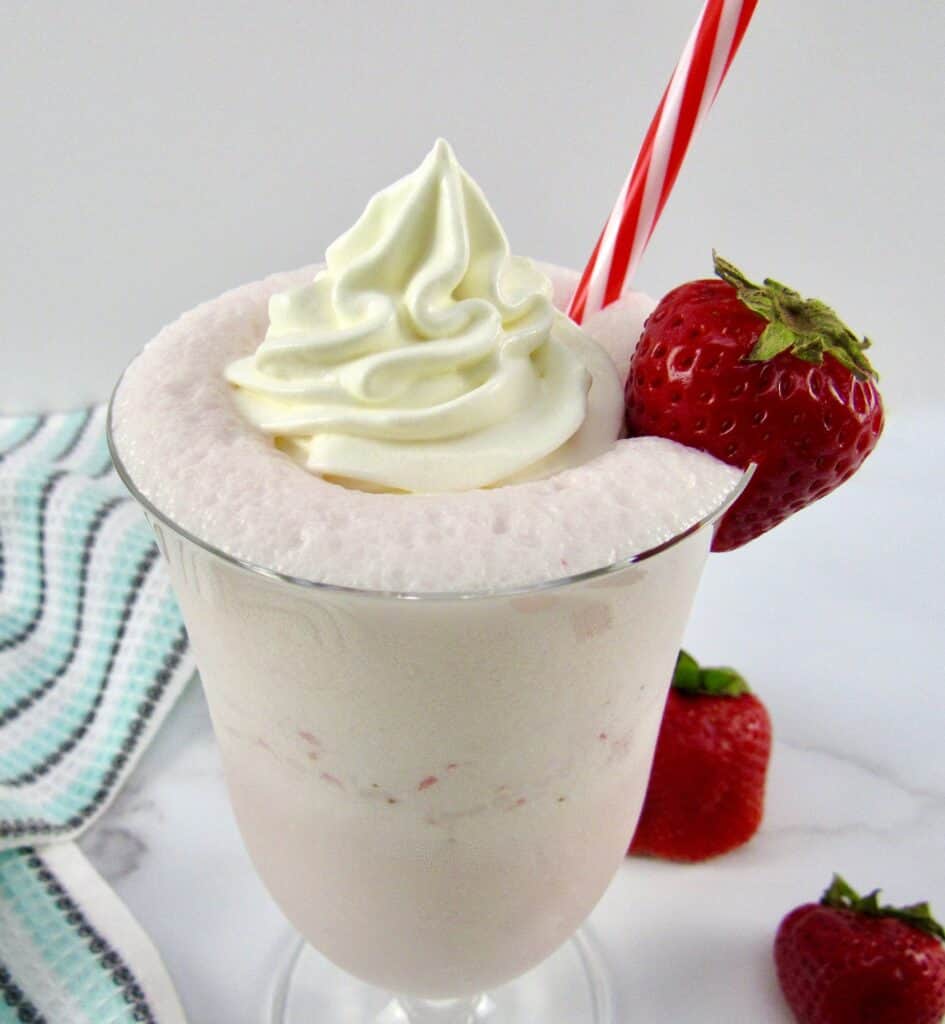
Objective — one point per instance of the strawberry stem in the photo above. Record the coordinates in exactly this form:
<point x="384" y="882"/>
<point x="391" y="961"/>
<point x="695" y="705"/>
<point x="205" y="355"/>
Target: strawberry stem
<point x="808" y="328"/>
<point x="842" y="896"/>
<point x="690" y="677"/>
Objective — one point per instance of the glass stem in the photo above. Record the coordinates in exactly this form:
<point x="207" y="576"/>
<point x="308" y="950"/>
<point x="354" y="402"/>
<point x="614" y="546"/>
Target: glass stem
<point x="406" y="1010"/>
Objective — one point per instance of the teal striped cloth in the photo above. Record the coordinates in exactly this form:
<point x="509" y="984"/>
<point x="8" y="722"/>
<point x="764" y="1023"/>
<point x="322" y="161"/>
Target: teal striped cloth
<point x="93" y="654"/>
<point x="70" y="951"/>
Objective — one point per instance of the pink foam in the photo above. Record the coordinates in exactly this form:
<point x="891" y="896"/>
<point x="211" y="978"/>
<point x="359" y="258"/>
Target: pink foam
<point x="196" y="459"/>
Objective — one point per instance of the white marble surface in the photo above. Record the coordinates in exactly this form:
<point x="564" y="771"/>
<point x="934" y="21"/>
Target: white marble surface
<point x="836" y="619"/>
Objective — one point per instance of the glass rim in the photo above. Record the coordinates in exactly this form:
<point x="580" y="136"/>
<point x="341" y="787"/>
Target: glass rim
<point x="544" y="586"/>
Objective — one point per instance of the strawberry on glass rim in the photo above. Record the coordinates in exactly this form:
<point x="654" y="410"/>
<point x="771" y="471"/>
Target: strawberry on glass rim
<point x="756" y="374"/>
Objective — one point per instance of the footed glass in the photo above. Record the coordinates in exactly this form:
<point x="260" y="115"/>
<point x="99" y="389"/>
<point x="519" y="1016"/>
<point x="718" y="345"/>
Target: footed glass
<point x="436" y="788"/>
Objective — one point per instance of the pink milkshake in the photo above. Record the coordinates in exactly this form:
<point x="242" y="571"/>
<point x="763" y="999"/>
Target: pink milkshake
<point x="435" y="597"/>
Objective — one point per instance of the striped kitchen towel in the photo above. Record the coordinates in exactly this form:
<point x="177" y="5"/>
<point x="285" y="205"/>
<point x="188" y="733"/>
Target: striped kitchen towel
<point x="70" y="951"/>
<point x="92" y="648"/>
<point x="93" y="654"/>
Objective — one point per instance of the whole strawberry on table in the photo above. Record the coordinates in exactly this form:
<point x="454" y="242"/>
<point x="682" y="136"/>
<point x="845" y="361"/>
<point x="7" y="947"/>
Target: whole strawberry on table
<point x="706" y="791"/>
<point x="849" y="960"/>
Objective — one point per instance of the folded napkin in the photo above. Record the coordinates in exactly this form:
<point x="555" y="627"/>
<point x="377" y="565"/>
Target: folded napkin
<point x="93" y="654"/>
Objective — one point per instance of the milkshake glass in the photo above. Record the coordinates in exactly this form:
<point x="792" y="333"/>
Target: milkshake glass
<point x="436" y="788"/>
<point x="437" y="709"/>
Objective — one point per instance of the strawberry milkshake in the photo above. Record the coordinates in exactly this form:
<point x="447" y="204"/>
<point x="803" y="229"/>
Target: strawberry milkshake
<point x="435" y="596"/>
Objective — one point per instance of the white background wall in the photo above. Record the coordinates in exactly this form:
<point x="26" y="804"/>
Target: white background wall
<point x="152" y="155"/>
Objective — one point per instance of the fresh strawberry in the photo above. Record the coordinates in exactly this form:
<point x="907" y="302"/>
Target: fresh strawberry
<point x="756" y="374"/>
<point x="706" y="791"/>
<point x="847" y="960"/>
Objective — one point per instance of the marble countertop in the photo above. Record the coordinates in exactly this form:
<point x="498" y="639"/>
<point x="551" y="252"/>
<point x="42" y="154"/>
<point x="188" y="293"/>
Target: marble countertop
<point x="835" y="619"/>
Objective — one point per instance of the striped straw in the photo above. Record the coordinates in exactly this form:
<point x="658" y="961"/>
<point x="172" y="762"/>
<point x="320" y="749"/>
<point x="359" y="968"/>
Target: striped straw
<point x="688" y="97"/>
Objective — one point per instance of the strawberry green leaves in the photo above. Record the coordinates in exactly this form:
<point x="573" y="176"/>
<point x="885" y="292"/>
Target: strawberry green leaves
<point x="842" y="896"/>
<point x="690" y="677"/>
<point x="808" y="328"/>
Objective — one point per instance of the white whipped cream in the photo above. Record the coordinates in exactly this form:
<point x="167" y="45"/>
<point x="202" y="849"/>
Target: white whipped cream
<point x="425" y="357"/>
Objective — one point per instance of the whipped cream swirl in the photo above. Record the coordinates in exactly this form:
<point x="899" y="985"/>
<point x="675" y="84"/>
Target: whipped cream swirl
<point x="425" y="357"/>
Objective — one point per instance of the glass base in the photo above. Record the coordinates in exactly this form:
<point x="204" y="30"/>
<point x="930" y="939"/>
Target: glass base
<point x="571" y="985"/>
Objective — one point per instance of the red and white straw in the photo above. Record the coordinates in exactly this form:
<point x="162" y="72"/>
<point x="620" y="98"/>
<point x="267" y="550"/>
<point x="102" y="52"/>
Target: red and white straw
<point x="691" y="91"/>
